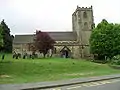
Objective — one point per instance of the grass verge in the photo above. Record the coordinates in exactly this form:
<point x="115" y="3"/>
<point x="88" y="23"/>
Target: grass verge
<point x="49" y="69"/>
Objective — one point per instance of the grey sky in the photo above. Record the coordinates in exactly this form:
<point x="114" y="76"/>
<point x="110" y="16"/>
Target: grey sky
<point x="25" y="16"/>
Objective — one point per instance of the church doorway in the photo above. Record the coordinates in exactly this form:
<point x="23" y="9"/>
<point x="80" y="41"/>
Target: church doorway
<point x="65" y="52"/>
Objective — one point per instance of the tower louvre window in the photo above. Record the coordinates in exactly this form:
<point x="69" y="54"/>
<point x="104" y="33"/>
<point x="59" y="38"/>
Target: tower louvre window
<point x="85" y="15"/>
<point x="85" y="25"/>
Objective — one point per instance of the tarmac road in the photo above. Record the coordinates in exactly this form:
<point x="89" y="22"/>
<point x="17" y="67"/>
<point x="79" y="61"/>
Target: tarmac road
<point x="113" y="84"/>
<point x="106" y="82"/>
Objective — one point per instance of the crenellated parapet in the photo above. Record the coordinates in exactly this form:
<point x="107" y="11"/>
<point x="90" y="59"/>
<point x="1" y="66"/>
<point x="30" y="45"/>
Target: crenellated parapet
<point x="82" y="9"/>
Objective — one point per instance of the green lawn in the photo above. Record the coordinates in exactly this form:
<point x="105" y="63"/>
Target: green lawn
<point x="38" y="70"/>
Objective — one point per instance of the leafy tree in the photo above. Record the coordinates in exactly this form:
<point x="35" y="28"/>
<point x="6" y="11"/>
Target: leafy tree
<point x="7" y="38"/>
<point x="105" y="40"/>
<point x="43" y="42"/>
<point x="1" y="37"/>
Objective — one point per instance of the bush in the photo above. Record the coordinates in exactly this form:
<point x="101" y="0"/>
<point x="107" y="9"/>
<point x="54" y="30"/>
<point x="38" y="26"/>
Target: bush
<point x="116" y="60"/>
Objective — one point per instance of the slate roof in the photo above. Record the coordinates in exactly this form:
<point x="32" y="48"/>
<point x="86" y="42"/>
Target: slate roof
<point x="63" y="36"/>
<point x="57" y="36"/>
<point x="23" y="38"/>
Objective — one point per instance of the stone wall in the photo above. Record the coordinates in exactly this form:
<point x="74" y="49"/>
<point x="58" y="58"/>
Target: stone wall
<point x="21" y="48"/>
<point x="82" y="20"/>
<point x="77" y="51"/>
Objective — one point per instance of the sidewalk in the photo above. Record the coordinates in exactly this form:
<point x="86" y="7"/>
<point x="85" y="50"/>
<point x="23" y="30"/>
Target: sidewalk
<point x="52" y="84"/>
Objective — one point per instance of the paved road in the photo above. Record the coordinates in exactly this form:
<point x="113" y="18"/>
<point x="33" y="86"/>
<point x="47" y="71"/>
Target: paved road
<point x="113" y="84"/>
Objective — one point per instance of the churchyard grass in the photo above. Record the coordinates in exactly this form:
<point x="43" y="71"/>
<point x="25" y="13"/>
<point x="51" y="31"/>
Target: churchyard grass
<point x="48" y="69"/>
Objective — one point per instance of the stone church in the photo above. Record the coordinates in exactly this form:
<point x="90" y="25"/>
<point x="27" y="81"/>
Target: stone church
<point x="74" y="44"/>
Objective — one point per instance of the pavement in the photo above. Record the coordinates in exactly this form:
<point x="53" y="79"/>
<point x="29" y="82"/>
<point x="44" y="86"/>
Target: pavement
<point x="53" y="84"/>
<point x="112" y="84"/>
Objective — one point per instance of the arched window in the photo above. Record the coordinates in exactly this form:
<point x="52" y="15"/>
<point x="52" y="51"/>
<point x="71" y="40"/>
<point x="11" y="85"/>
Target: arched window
<point x="79" y="14"/>
<point x="86" y="26"/>
<point x="85" y="15"/>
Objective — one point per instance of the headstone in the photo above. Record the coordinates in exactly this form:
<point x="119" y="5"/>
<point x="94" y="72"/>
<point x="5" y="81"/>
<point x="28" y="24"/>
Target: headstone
<point x="3" y="56"/>
<point x="16" y="56"/>
<point x="24" y="56"/>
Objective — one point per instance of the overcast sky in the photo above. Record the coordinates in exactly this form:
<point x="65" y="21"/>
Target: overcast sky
<point x="25" y="16"/>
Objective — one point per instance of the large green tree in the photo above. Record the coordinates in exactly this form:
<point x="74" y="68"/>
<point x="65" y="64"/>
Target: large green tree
<point x="105" y="40"/>
<point x="7" y="38"/>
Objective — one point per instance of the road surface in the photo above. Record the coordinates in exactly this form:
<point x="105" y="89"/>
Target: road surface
<point x="113" y="84"/>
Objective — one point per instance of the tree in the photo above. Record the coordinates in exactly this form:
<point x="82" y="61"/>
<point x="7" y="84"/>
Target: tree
<point x="7" y="38"/>
<point x="1" y="37"/>
<point x="105" y="40"/>
<point x="43" y="42"/>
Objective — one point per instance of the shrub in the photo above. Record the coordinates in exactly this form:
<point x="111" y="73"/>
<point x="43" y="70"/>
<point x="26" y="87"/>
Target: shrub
<point x="116" y="60"/>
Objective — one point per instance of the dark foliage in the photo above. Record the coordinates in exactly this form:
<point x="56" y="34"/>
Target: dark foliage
<point x="7" y="38"/>
<point x="43" y="42"/>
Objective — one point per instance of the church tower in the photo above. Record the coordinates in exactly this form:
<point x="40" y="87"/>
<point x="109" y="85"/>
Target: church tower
<point x="82" y="20"/>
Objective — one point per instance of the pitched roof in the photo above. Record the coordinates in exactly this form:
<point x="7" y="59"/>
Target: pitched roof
<point x="63" y="36"/>
<point x="23" y="38"/>
<point x="57" y="36"/>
